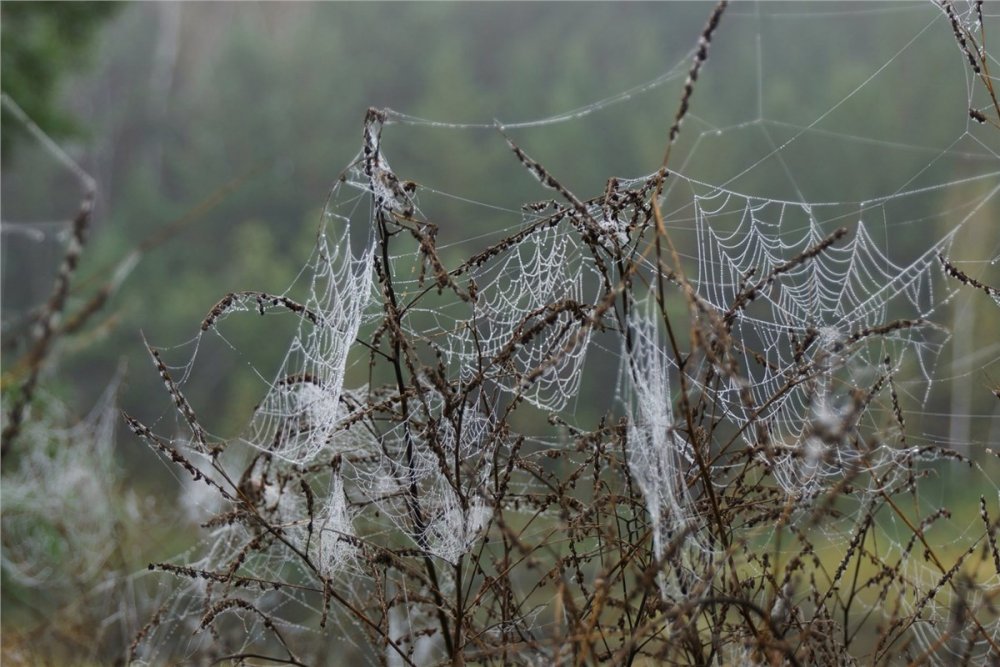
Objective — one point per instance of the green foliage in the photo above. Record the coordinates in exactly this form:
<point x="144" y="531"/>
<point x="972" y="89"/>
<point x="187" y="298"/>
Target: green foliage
<point x="42" y="43"/>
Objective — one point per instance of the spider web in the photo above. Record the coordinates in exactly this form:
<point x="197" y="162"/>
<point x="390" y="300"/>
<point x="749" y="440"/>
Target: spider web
<point x="850" y="311"/>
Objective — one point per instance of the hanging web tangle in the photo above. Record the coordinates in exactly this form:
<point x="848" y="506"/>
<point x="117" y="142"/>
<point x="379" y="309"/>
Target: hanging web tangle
<point x="297" y="418"/>
<point x="450" y="413"/>
<point x="659" y="458"/>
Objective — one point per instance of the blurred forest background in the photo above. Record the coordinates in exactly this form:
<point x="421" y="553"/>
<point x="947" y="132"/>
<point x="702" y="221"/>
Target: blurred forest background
<point x="215" y="130"/>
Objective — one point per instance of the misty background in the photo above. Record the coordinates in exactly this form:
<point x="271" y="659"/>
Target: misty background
<point x="214" y="132"/>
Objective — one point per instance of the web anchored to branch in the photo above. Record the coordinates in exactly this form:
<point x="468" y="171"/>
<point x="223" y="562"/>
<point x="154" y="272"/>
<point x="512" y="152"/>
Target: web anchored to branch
<point x="668" y="407"/>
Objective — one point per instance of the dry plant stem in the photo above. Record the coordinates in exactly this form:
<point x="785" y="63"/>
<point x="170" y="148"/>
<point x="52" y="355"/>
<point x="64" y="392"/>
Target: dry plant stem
<point x="701" y="55"/>
<point x="228" y="604"/>
<point x="947" y="574"/>
<point x="355" y="611"/>
<point x="704" y="41"/>
<point x="963" y="277"/>
<point x="466" y="528"/>
<point x="764" y="616"/>
<point x="78" y="319"/>
<point x="48" y="323"/>
<point x="154" y="240"/>
<point x="180" y="402"/>
<point x="582" y="217"/>
<point x="991" y="530"/>
<point x="413" y="501"/>
<point x="197" y="475"/>
<point x="689" y="293"/>
<point x="612" y="294"/>
<point x="241" y="658"/>
<point x="975" y="53"/>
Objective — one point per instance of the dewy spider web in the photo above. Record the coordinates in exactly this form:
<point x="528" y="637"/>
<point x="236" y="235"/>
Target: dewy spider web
<point x="829" y="313"/>
<point x="822" y="311"/>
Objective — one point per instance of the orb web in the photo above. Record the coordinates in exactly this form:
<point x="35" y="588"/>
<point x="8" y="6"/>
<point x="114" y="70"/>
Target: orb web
<point x="837" y="333"/>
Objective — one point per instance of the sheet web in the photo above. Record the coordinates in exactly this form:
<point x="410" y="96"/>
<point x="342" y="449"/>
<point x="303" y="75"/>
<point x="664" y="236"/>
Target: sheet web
<point x="832" y="331"/>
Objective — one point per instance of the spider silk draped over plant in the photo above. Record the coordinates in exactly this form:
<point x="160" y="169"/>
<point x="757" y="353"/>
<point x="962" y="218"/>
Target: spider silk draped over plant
<point x="670" y="419"/>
